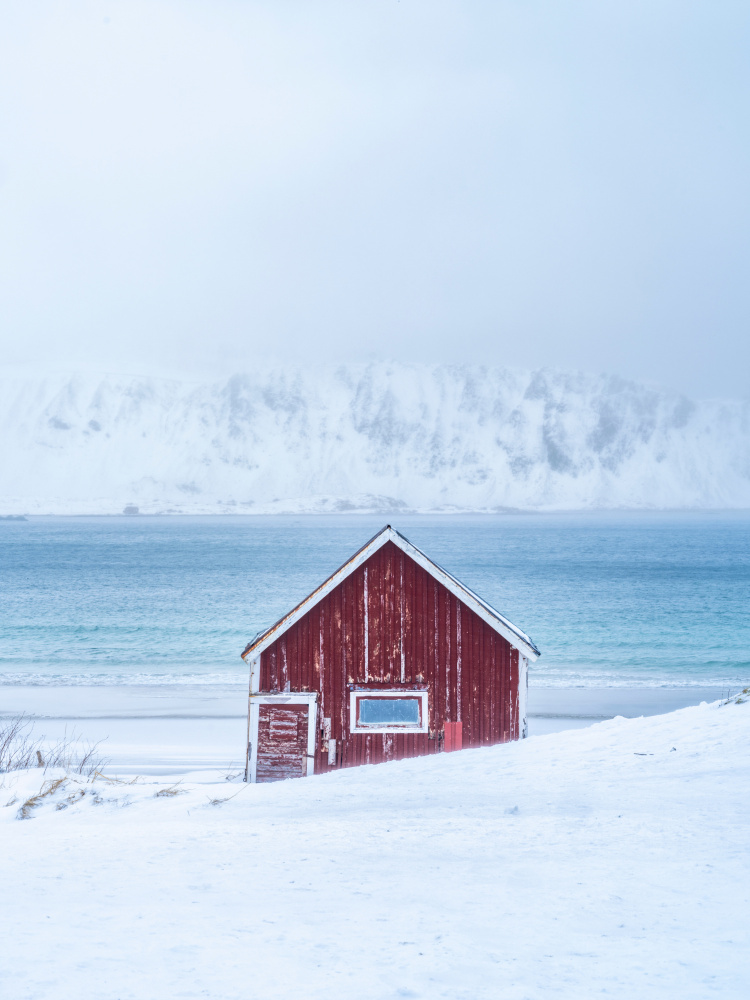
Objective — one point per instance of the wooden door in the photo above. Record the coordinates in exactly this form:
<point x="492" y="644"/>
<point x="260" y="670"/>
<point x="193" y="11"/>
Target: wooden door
<point x="282" y="742"/>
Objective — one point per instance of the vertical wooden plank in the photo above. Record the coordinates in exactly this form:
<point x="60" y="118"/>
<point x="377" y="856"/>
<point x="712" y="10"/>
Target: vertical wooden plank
<point x="374" y="616"/>
<point x="508" y="689"/>
<point x="514" y="695"/>
<point x="374" y="613"/>
<point x="386" y="620"/>
<point x="467" y="639"/>
<point x="492" y="680"/>
<point x="309" y="663"/>
<point x="295" y="661"/>
<point x="380" y="612"/>
<point x="401" y="622"/>
<point x="365" y="624"/>
<point x="476" y="699"/>
<point x="481" y="681"/>
<point x="424" y="652"/>
<point x="295" y="675"/>
<point x="406" y="631"/>
<point x="501" y="647"/>
<point x="333" y="667"/>
<point x="430" y="631"/>
<point x="500" y="664"/>
<point x="418" y="623"/>
<point x="359" y="647"/>
<point x="486" y="684"/>
<point x="443" y="681"/>
<point x="284" y="664"/>
<point x="290" y="643"/>
<point x="459" y="660"/>
<point x="396" y="628"/>
<point x="349" y="612"/>
<point x="473" y="694"/>
<point x="335" y="670"/>
<point x="385" y="617"/>
<point x="273" y="673"/>
<point x="303" y="662"/>
<point x="436" y="685"/>
<point x="390" y="676"/>
<point x="387" y="551"/>
<point x="411" y="666"/>
<point x="344" y="640"/>
<point x="321" y="762"/>
<point x="325" y="679"/>
<point x="439" y="647"/>
<point x="356" y="616"/>
<point x="478" y="685"/>
<point x="273" y="658"/>
<point x="316" y="677"/>
<point x="450" y="680"/>
<point x="396" y="674"/>
<point x="340" y="653"/>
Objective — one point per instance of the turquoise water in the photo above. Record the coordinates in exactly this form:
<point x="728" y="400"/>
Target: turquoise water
<point x="610" y="599"/>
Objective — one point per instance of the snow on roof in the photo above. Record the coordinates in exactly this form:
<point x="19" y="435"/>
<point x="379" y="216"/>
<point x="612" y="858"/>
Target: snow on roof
<point x="485" y="611"/>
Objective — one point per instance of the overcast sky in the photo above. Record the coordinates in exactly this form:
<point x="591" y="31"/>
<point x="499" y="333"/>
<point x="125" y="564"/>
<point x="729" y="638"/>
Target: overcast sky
<point x="190" y="187"/>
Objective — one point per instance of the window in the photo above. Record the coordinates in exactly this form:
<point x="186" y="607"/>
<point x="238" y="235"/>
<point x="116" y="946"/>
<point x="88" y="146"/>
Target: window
<point x="388" y="711"/>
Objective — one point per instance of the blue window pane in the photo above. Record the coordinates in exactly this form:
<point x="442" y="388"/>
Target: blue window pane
<point x="388" y="711"/>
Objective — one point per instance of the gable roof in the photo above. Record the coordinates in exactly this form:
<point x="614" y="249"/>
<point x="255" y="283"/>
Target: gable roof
<point x="486" y="612"/>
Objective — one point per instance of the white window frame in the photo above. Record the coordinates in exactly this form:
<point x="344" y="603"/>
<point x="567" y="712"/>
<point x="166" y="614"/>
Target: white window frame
<point x="390" y="693"/>
<point x="309" y="698"/>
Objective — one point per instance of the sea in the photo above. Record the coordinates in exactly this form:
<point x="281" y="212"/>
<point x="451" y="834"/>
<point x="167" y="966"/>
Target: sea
<point x="629" y="599"/>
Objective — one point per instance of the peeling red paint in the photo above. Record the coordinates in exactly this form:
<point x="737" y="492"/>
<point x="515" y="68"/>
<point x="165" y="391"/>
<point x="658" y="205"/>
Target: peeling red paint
<point x="391" y="624"/>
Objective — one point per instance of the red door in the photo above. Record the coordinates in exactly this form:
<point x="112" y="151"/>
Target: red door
<point x="282" y="742"/>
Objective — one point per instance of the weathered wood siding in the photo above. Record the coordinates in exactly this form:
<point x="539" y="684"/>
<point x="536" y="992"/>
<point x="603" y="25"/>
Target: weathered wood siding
<point x="282" y="742"/>
<point x="391" y="624"/>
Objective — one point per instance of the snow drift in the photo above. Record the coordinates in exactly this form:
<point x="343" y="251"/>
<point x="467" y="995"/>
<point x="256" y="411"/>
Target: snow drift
<point x="365" y="437"/>
<point x="609" y="861"/>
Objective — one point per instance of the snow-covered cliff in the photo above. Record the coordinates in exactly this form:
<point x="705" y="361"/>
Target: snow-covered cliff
<point x="365" y="437"/>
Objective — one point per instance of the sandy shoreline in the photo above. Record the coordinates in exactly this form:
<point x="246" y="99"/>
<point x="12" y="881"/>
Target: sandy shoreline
<point x="172" y="729"/>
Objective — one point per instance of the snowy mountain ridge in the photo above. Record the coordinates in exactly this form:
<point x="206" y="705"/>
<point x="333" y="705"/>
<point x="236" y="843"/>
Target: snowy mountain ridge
<point x="380" y="436"/>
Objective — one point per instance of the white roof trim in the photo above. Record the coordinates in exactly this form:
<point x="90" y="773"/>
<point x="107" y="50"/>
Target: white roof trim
<point x="486" y="612"/>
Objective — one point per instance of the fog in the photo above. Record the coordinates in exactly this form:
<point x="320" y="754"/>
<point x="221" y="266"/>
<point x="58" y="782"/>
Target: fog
<point x="190" y="187"/>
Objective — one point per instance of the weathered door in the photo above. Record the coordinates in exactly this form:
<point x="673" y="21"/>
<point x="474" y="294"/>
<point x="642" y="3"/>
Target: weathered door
<point x="282" y="742"/>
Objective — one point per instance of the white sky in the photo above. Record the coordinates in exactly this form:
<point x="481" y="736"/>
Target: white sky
<point x="189" y="187"/>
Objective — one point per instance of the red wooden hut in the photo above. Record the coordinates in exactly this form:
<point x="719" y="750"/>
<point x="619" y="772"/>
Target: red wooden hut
<point x="391" y="657"/>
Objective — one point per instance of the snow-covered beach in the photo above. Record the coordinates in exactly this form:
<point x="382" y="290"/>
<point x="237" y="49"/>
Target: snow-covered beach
<point x="374" y="501"/>
<point x="611" y="859"/>
<point x="589" y="858"/>
<point x="176" y="728"/>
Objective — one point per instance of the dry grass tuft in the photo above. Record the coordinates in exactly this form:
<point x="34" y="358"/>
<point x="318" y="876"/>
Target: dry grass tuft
<point x="738" y="699"/>
<point x="48" y="788"/>
<point x="172" y="790"/>
<point x="98" y="776"/>
<point x="20" y="750"/>
<point x="74" y="797"/>
<point x="219" y="802"/>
